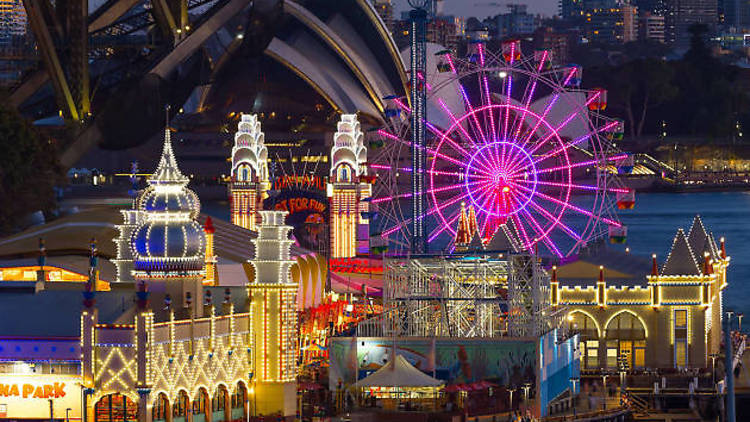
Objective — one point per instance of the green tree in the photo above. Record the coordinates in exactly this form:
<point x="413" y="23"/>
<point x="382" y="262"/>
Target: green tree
<point x="635" y="88"/>
<point x="29" y="169"/>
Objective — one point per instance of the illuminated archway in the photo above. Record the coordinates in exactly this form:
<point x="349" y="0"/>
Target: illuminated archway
<point x="200" y="406"/>
<point x="181" y="407"/>
<point x="115" y="407"/>
<point x="220" y="410"/>
<point x="239" y="401"/>
<point x="161" y="411"/>
<point x="625" y="335"/>
<point x="585" y="324"/>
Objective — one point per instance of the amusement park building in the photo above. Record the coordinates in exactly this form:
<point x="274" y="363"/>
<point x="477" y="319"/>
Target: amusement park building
<point x="650" y="316"/>
<point x="167" y="330"/>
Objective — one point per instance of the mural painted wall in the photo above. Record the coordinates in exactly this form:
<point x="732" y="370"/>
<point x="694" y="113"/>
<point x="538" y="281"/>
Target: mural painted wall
<point x="506" y="362"/>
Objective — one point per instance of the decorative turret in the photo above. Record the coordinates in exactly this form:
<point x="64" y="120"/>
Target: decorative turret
<point x="273" y="306"/>
<point x="463" y="233"/>
<point x="348" y="190"/>
<point x="554" y="287"/>
<point x="250" y="180"/>
<point x="168" y="240"/>
<point x="601" y="288"/>
<point x="167" y="244"/>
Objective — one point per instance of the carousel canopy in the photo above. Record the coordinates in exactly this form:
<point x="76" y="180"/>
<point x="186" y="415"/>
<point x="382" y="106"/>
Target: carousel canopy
<point x="399" y="373"/>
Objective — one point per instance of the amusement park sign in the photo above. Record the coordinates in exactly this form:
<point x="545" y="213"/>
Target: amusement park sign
<point x="29" y="396"/>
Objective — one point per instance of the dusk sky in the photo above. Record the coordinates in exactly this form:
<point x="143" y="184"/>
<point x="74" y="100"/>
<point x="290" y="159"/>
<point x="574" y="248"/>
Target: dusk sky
<point x="484" y="8"/>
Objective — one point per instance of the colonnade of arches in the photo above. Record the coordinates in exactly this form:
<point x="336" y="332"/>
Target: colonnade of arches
<point x="621" y="339"/>
<point x="220" y="405"/>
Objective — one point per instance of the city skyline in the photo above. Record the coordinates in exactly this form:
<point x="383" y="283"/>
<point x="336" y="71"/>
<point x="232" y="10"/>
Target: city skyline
<point x="483" y="9"/>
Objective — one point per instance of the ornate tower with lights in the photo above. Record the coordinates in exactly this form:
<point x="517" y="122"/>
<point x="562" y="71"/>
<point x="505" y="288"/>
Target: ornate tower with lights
<point x="273" y="312"/>
<point x="349" y="190"/>
<point x="168" y="245"/>
<point x="250" y="183"/>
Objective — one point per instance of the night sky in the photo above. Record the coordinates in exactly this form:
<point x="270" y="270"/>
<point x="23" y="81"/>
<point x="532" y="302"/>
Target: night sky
<point x="484" y="8"/>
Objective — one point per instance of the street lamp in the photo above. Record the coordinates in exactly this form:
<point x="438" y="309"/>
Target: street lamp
<point x="526" y="388"/>
<point x="604" y="391"/>
<point x="739" y="317"/>
<point x="511" y="390"/>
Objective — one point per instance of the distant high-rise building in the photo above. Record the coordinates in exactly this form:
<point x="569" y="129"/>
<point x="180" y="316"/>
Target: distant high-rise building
<point x="611" y="25"/>
<point x="558" y="43"/>
<point x="651" y="27"/>
<point x="385" y="11"/>
<point x="681" y="14"/>
<point x="736" y="14"/>
<point x="629" y="23"/>
<point x="516" y="21"/>
<point x="571" y="10"/>
<point x="12" y="22"/>
<point x="654" y="7"/>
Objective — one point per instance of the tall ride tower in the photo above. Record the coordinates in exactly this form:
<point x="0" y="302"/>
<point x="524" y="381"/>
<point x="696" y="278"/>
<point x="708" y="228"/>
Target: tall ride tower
<point x="349" y="190"/>
<point x="250" y="184"/>
<point x="419" y="17"/>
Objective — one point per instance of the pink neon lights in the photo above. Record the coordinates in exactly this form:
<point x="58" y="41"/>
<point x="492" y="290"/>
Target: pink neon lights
<point x="509" y="161"/>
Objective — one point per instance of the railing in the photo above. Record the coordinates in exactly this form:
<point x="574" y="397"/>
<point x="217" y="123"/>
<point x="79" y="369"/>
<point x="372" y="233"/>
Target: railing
<point x="635" y="403"/>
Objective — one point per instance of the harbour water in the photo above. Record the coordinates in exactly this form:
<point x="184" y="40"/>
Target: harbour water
<point x="656" y="217"/>
<point x="654" y="221"/>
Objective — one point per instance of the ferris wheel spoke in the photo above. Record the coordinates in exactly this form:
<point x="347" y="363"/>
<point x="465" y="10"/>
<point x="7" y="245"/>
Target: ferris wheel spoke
<point x="579" y="140"/>
<point x="581" y="187"/>
<point x="520" y="228"/>
<point x="556" y="221"/>
<point x="456" y="123"/>
<point x="543" y="236"/>
<point x="444" y="135"/>
<point x="575" y="208"/>
<point x="442" y="227"/>
<point x="565" y="122"/>
<point x="477" y="128"/>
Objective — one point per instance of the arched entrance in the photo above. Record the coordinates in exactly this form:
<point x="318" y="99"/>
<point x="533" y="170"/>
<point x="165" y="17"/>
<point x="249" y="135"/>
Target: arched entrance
<point x="220" y="410"/>
<point x="181" y="407"/>
<point x="201" y="406"/>
<point x="161" y="411"/>
<point x="582" y="323"/>
<point x="626" y="340"/>
<point x="115" y="408"/>
<point x="239" y="401"/>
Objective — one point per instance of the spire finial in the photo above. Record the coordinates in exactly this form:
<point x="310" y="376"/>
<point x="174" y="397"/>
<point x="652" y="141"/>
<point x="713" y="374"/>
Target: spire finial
<point x="601" y="273"/>
<point x="654" y="266"/>
<point x="554" y="274"/>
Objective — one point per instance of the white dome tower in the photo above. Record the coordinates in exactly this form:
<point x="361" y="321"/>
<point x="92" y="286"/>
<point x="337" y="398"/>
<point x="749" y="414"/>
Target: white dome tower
<point x="348" y="188"/>
<point x="250" y="182"/>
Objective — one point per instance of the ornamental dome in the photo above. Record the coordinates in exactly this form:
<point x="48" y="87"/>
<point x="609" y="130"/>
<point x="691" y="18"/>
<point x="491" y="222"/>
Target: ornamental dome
<point x="177" y="201"/>
<point x="169" y="246"/>
<point x="168" y="239"/>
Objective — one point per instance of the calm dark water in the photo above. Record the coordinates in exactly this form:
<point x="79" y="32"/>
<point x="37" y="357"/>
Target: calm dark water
<point x="656" y="218"/>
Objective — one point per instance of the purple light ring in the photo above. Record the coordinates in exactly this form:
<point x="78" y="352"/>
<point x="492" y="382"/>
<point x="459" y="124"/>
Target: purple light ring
<point x="472" y="113"/>
<point x="468" y="175"/>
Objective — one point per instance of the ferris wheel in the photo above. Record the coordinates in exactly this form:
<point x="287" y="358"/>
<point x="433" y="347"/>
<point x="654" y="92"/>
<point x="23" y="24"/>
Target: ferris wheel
<point x="514" y="139"/>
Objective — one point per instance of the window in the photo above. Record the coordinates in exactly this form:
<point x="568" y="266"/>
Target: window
<point x="680" y="337"/>
<point x="591" y="354"/>
<point x="612" y="353"/>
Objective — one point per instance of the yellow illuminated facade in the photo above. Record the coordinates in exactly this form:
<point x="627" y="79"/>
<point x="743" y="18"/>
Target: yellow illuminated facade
<point x="670" y="319"/>
<point x="348" y="190"/>
<point x="273" y="316"/>
<point x="249" y="183"/>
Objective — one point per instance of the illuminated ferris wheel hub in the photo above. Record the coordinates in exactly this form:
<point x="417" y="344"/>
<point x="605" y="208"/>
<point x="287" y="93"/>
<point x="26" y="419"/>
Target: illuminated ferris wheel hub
<point x="500" y="179"/>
